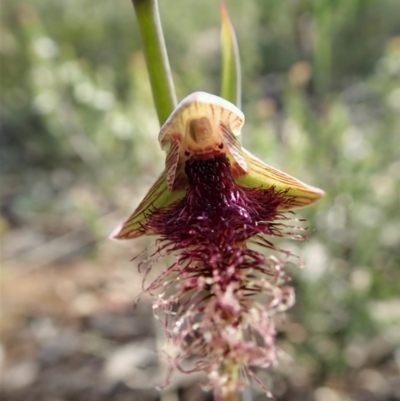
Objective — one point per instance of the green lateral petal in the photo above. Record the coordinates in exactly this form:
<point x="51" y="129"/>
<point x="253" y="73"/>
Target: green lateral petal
<point x="261" y="175"/>
<point x="171" y="163"/>
<point x="235" y="150"/>
<point x="158" y="197"/>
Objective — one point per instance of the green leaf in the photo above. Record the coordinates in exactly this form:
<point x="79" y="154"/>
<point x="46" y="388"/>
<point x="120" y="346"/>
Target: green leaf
<point x="231" y="74"/>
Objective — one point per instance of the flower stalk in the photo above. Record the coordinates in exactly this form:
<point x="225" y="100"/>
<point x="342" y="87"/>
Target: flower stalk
<point x="156" y="57"/>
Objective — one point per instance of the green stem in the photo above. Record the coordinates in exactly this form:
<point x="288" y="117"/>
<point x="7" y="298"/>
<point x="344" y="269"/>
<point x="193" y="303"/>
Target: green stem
<point x="156" y="57"/>
<point x="323" y="16"/>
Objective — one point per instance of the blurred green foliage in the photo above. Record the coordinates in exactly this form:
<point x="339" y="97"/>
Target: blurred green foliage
<point x="321" y="93"/>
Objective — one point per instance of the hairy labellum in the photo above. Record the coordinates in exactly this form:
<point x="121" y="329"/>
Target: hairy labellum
<point x="209" y="305"/>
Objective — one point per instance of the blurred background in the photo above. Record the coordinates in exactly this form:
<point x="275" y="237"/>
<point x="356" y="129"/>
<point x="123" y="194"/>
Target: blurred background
<point x="78" y="148"/>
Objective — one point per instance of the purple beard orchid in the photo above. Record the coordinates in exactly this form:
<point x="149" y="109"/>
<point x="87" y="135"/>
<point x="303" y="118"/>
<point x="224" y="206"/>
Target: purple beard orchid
<point x="213" y="202"/>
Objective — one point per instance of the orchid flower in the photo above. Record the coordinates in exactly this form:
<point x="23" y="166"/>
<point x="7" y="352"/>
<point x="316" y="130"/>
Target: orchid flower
<point x="211" y="202"/>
